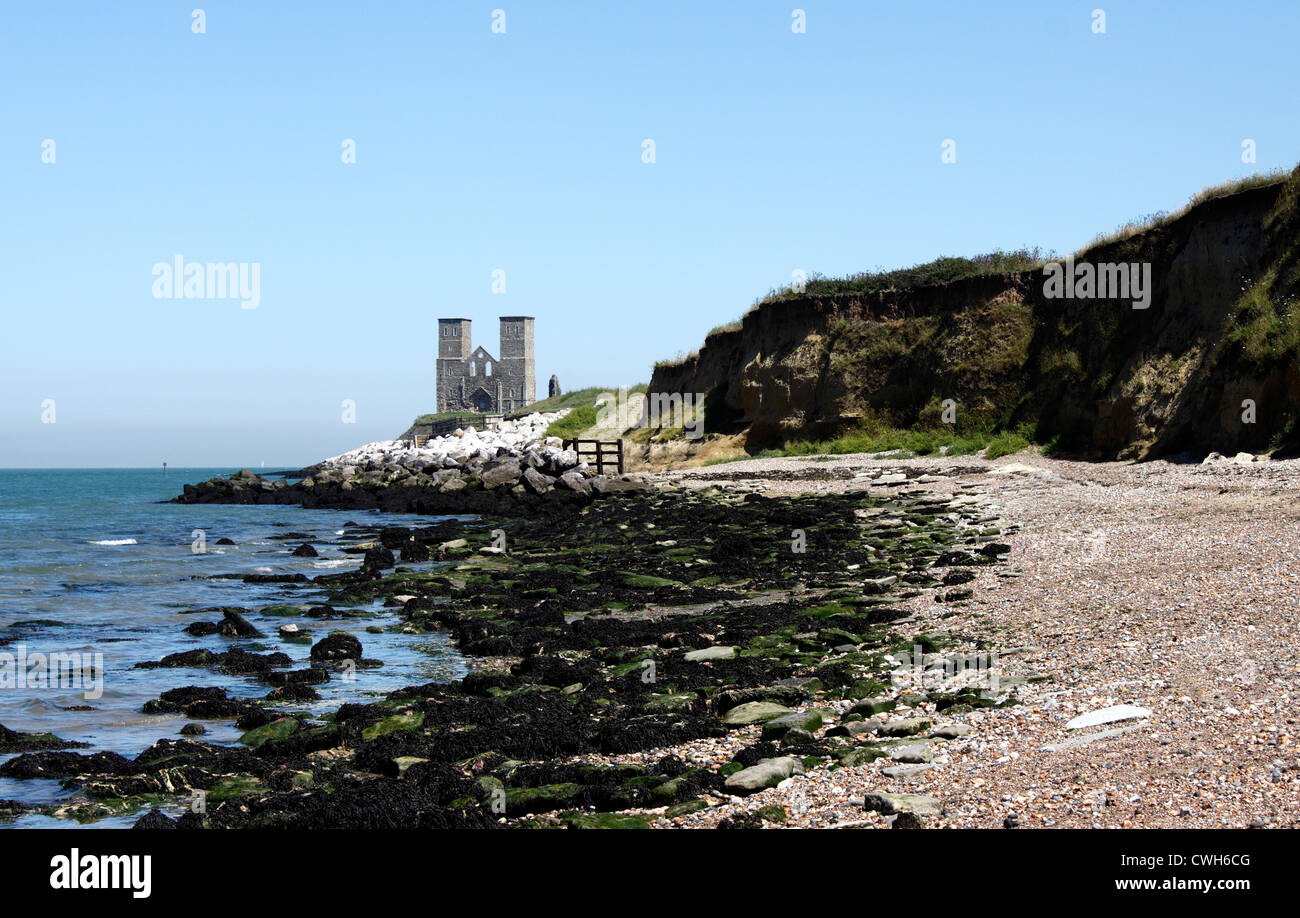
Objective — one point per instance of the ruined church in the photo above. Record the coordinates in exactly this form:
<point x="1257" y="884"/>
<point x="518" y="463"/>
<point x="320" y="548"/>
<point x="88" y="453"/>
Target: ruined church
<point x="472" y="380"/>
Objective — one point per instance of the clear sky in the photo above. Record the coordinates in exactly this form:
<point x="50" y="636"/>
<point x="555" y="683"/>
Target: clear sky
<point x="523" y="152"/>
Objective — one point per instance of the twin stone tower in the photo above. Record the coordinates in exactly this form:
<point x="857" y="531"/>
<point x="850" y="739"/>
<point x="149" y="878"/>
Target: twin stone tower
<point x="472" y="380"/>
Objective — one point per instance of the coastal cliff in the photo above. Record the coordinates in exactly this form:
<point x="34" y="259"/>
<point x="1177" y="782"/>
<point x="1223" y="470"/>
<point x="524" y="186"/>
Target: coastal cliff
<point x="1096" y="376"/>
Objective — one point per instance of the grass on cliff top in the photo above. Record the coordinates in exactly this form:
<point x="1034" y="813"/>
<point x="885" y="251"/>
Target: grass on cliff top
<point x="907" y="443"/>
<point x="942" y="270"/>
<point x="1164" y="218"/>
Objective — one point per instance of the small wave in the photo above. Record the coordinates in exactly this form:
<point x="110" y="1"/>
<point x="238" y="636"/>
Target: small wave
<point x="115" y="542"/>
<point x="337" y="562"/>
<point x="261" y="570"/>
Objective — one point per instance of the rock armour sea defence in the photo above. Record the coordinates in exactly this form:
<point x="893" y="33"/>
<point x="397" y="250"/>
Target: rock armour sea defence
<point x="512" y="469"/>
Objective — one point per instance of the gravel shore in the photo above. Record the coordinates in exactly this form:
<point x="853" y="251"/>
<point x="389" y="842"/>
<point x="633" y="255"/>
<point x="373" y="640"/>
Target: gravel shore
<point x="1170" y="587"/>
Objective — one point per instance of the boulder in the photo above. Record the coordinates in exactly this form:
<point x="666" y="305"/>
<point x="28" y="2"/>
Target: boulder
<point x="235" y="625"/>
<point x="501" y="472"/>
<point x="377" y="559"/>
<point x="892" y="804"/>
<point x="778" y="727"/>
<point x="337" y="645"/>
<point x="908" y="726"/>
<point x="536" y="482"/>
<point x="575" y="481"/>
<point x="912" y="754"/>
<point x="753" y="712"/>
<point x="950" y="731"/>
<point x="767" y="773"/>
<point x="709" y="653"/>
<point x="415" y="551"/>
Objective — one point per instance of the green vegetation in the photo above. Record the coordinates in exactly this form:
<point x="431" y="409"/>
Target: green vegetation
<point x="1266" y="326"/>
<point x="582" y="409"/>
<point x="581" y="404"/>
<point x="1164" y="218"/>
<point x="682" y="356"/>
<point x="906" y="443"/>
<point x="575" y="399"/>
<point x="942" y="270"/>
<point x="426" y="419"/>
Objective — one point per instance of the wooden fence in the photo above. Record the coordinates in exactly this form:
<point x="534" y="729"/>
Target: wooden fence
<point x="444" y="426"/>
<point x="603" y="454"/>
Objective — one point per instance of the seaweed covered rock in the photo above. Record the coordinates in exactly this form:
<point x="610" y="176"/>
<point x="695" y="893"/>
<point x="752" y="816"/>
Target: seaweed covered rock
<point x="337" y="645"/>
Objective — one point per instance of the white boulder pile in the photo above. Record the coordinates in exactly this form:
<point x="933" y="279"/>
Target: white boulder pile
<point x="513" y="457"/>
<point x="457" y="450"/>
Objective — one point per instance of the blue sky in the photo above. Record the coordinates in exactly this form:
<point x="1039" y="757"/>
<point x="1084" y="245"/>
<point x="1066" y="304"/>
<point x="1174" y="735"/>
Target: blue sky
<point x="522" y="151"/>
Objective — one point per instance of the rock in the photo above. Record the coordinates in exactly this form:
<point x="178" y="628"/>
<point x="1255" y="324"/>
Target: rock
<point x="753" y="712"/>
<point x="235" y="625"/>
<point x="870" y="706"/>
<point x="908" y="726"/>
<point x="454" y="543"/>
<point x="892" y="804"/>
<point x="394" y="537"/>
<point x="709" y="653"/>
<point x="305" y="551"/>
<point x="1108" y="716"/>
<point x="337" y="645"/>
<point x="288" y="630"/>
<point x="553" y="387"/>
<point x="855" y="727"/>
<point x="269" y="733"/>
<point x="575" y="481"/>
<point x="415" y="551"/>
<point x="950" y="731"/>
<point x="193" y="730"/>
<point x="903" y="772"/>
<point x="912" y="754"/>
<point x="155" y="819"/>
<point x="377" y="559"/>
<point x="537" y="482"/>
<point x="767" y="773"/>
<point x="503" y="472"/>
<point x="1084" y="739"/>
<point x="878" y="584"/>
<point x="777" y="727"/>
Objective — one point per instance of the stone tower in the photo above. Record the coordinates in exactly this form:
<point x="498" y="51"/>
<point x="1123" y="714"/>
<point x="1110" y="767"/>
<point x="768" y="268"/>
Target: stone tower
<point x="517" y="371"/>
<point x="454" y="346"/>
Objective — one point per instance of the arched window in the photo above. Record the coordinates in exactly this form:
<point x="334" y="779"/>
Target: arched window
<point x="487" y="368"/>
<point x="473" y="368"/>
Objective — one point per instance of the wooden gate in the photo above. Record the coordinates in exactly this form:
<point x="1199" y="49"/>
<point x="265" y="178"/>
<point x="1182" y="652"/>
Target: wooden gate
<point x="603" y="454"/>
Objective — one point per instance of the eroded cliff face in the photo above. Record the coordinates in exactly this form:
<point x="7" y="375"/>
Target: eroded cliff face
<point x="1096" y="374"/>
